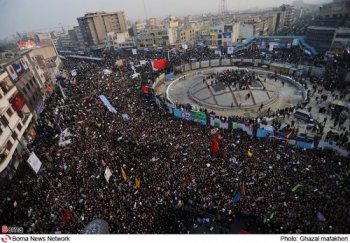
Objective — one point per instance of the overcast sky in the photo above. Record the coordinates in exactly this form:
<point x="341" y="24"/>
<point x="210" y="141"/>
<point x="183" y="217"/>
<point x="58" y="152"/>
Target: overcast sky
<point x="39" y="15"/>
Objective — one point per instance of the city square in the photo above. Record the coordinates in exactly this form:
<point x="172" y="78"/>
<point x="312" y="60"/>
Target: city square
<point x="237" y="123"/>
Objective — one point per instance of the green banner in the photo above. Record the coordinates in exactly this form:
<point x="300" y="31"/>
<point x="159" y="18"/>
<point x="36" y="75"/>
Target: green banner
<point x="198" y="116"/>
<point x="234" y="125"/>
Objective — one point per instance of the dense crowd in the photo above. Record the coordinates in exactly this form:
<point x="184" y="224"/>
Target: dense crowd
<point x="287" y="190"/>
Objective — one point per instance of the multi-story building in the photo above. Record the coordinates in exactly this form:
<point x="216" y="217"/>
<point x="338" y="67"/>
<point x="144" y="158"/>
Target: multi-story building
<point x="241" y="31"/>
<point x="341" y="40"/>
<point x="95" y="26"/>
<point x="65" y="43"/>
<point x="118" y="40"/>
<point x="139" y="26"/>
<point x="25" y="80"/>
<point x="320" y="37"/>
<point x="334" y="14"/>
<point x="15" y="118"/>
<point x="154" y="35"/>
<point x="186" y="35"/>
<point x="43" y="37"/>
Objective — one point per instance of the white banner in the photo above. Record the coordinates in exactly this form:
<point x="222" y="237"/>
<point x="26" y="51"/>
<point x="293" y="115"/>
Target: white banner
<point x="12" y="72"/>
<point x="108" y="174"/>
<point x="73" y="72"/>
<point x="34" y="162"/>
<point x="134" y="51"/>
<point x="230" y="50"/>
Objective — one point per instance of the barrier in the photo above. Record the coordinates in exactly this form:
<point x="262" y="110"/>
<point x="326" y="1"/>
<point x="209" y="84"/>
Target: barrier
<point x="340" y="150"/>
<point x="215" y="63"/>
<point x="226" y="62"/>
<point x="264" y="130"/>
<point x="204" y="64"/>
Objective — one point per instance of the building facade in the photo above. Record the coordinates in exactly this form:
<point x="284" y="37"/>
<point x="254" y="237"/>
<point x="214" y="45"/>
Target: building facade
<point x="16" y="113"/>
<point x="95" y="26"/>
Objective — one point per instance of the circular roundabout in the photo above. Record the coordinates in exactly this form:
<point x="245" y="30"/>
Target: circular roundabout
<point x="208" y="89"/>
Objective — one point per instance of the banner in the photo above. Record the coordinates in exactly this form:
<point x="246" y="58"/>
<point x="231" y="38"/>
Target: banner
<point x="186" y="115"/>
<point x="24" y="63"/>
<point x="169" y="76"/>
<point x="218" y="52"/>
<point x="215" y="122"/>
<point x="134" y="51"/>
<point x="107" y="104"/>
<point x="160" y="64"/>
<point x="17" y="102"/>
<point x="73" y="72"/>
<point x="108" y="174"/>
<point x="11" y="71"/>
<point x="224" y="125"/>
<point x="199" y="116"/>
<point x="34" y="162"/>
<point x="234" y="125"/>
<point x="261" y="133"/>
<point x="177" y="113"/>
<point x="230" y="50"/>
<point x="64" y="138"/>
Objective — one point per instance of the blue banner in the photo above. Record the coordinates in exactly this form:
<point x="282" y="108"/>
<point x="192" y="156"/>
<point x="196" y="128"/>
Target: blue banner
<point x="177" y="112"/>
<point x="107" y="104"/>
<point x="169" y="76"/>
<point x="302" y="144"/>
<point x="261" y="133"/>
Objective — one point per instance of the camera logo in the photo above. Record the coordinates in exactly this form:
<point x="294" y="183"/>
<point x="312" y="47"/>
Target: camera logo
<point x="5" y="238"/>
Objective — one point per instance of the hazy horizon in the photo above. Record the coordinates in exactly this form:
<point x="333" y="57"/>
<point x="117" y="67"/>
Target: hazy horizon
<point x="28" y="15"/>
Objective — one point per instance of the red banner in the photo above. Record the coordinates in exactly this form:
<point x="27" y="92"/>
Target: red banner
<point x="18" y="102"/>
<point x="160" y="63"/>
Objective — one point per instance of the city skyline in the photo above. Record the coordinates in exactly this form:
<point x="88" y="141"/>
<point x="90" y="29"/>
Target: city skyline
<point x="64" y="13"/>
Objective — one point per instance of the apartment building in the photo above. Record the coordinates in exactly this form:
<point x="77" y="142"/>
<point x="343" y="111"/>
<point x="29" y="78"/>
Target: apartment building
<point x="95" y="26"/>
<point x="15" y="118"/>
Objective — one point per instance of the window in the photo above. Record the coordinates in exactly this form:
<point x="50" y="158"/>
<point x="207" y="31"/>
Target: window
<point x="9" y="145"/>
<point x="19" y="126"/>
<point x="14" y="135"/>
<point x="4" y="121"/>
<point x="9" y="112"/>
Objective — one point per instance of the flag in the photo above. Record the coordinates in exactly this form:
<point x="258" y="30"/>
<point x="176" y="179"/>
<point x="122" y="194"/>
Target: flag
<point x="34" y="162"/>
<point x="268" y="218"/>
<point x="125" y="117"/>
<point x="236" y="198"/>
<point x="145" y="89"/>
<point x="108" y="174"/>
<point x="250" y="154"/>
<point x="160" y="64"/>
<point x="124" y="174"/>
<point x="289" y="134"/>
<point x="294" y="189"/>
<point x="243" y="189"/>
<point x="215" y="144"/>
<point x="137" y="183"/>
<point x="66" y="217"/>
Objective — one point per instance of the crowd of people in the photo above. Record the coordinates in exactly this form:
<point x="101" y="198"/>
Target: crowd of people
<point x="241" y="79"/>
<point x="162" y="166"/>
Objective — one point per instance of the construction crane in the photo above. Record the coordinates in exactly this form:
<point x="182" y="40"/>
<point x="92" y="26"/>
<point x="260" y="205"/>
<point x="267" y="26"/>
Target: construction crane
<point x="223" y="7"/>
